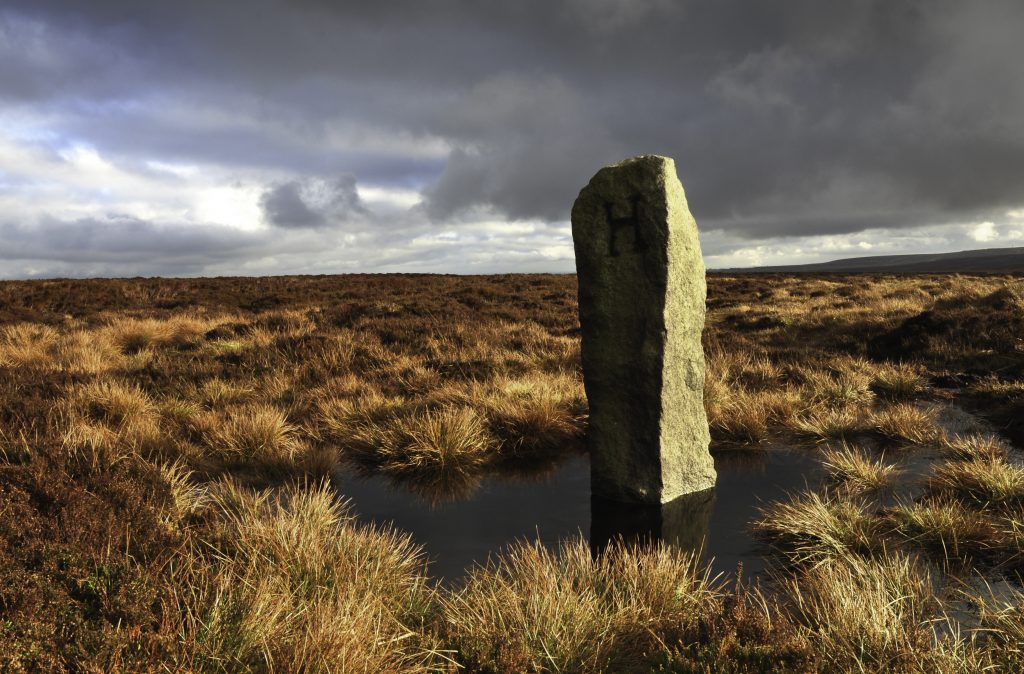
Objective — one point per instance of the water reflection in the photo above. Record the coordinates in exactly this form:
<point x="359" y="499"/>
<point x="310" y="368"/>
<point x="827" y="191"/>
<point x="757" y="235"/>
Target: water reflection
<point x="683" y="522"/>
<point x="546" y="506"/>
<point x="554" y="503"/>
<point x="445" y="488"/>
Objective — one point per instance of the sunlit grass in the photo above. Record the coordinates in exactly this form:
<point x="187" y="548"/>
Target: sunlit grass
<point x="829" y="423"/>
<point x="946" y="529"/>
<point x="984" y="447"/>
<point x="852" y="467"/>
<point x="535" y="609"/>
<point x="443" y="388"/>
<point x="292" y="585"/>
<point x="27" y="344"/>
<point x="812" y="527"/>
<point x="866" y="615"/>
<point x="258" y="434"/>
<point x="983" y="481"/>
<point x="106" y="419"/>
<point x="908" y="424"/>
<point x="899" y="381"/>
<point x="439" y="453"/>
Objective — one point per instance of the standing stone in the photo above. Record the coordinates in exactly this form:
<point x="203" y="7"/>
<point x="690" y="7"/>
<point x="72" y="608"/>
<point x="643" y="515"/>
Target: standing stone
<point x="641" y="296"/>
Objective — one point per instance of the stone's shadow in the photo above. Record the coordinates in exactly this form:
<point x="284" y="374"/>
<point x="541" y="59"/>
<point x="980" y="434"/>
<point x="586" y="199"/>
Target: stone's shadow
<point x="457" y="487"/>
<point x="683" y="523"/>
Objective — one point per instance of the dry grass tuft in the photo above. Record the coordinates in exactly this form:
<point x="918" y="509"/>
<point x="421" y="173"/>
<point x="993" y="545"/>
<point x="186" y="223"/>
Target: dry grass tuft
<point x="844" y="388"/>
<point x="535" y="418"/>
<point x="856" y="471"/>
<point x="981" y="446"/>
<point x="534" y="609"/>
<point x="106" y="419"/>
<point x="254" y="433"/>
<point x="216" y="393"/>
<point x="132" y="335"/>
<point x="441" y="452"/>
<point x="187" y="496"/>
<point x="812" y="527"/>
<point x="292" y="585"/>
<point x="829" y="423"/>
<point x="866" y="615"/>
<point x="1002" y="623"/>
<point x="984" y="481"/>
<point x="900" y="381"/>
<point x="946" y="529"/>
<point x="29" y="345"/>
<point x="908" y="424"/>
<point x="743" y="419"/>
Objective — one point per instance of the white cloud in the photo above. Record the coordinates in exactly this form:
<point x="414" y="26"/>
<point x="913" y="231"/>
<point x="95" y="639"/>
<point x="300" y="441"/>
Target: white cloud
<point x="722" y="251"/>
<point x="385" y="197"/>
<point x="984" y="232"/>
<point x="231" y="205"/>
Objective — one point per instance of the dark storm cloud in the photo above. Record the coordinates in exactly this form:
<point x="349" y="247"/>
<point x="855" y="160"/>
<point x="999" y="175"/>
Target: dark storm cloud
<point x="116" y="238"/>
<point x="313" y="204"/>
<point x="785" y="119"/>
<point x="283" y="206"/>
<point x="115" y="245"/>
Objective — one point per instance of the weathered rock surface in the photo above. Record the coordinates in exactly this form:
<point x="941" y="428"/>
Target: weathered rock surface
<point x="641" y="296"/>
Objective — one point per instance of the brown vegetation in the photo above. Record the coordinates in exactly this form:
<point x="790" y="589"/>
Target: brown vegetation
<point x="163" y="445"/>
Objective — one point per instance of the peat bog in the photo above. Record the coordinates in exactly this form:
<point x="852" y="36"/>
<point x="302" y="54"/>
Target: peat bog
<point x="557" y="505"/>
<point x="174" y="457"/>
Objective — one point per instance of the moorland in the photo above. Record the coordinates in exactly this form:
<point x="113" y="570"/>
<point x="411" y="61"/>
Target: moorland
<point x="169" y="451"/>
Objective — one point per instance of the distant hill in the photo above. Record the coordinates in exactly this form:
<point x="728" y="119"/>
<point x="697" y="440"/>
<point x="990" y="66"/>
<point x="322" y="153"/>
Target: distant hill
<point x="996" y="260"/>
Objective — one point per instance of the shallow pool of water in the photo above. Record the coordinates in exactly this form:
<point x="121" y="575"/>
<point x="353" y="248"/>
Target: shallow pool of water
<point x="558" y="505"/>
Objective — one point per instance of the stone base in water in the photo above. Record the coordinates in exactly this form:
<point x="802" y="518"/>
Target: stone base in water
<point x="642" y="299"/>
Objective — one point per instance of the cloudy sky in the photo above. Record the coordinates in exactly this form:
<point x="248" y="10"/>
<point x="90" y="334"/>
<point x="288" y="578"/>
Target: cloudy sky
<point x="264" y="137"/>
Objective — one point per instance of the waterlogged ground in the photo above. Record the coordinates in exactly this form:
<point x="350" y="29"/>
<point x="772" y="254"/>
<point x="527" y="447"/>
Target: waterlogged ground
<point x="556" y="505"/>
<point x="459" y="531"/>
<point x="176" y="457"/>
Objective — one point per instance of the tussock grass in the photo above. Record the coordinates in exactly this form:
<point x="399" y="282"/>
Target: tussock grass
<point x="535" y="417"/>
<point x="900" y="381"/>
<point x="867" y="615"/>
<point x="812" y="527"/>
<point x="852" y="467"/>
<point x="983" y="481"/>
<point x="1002" y="622"/>
<point x="293" y="585"/>
<point x="535" y="609"/>
<point x="258" y="434"/>
<point x="216" y="393"/>
<point x="996" y="387"/>
<point x="29" y="345"/>
<point x="342" y="416"/>
<point x="443" y="444"/>
<point x="908" y="424"/>
<point x="946" y="529"/>
<point x="106" y="419"/>
<point x="441" y="452"/>
<point x="135" y="335"/>
<point x="759" y="373"/>
<point x="980" y="446"/>
<point x="830" y="423"/>
<point x="187" y="496"/>
<point x="744" y="420"/>
<point x="87" y="352"/>
<point x="1011" y="526"/>
<point x="739" y="415"/>
<point x="843" y="388"/>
